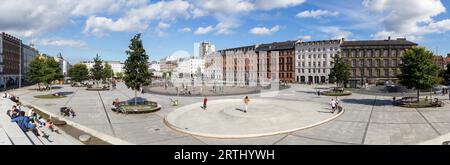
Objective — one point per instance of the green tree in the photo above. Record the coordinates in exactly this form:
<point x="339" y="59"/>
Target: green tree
<point x="418" y="70"/>
<point x="97" y="69"/>
<point x="340" y="73"/>
<point x="136" y="68"/>
<point x="35" y="72"/>
<point x="447" y="74"/>
<point x="107" y="71"/>
<point x="119" y="75"/>
<point x="79" y="72"/>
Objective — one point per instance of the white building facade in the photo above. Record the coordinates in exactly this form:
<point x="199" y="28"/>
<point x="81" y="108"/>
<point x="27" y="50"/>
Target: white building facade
<point x="205" y="48"/>
<point x="188" y="67"/>
<point x="314" y="60"/>
<point x="116" y="66"/>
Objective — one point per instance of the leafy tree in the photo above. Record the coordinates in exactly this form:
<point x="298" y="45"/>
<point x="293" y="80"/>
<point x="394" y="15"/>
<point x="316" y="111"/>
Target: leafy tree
<point x="35" y="71"/>
<point x="97" y="69"/>
<point x="107" y="71"/>
<point x="340" y="73"/>
<point x="446" y="74"/>
<point x="79" y="72"/>
<point x="418" y="70"/>
<point x="136" y="68"/>
<point x="43" y="71"/>
<point x="119" y="75"/>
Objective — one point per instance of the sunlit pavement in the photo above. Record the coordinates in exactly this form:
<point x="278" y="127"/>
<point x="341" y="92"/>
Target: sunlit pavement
<point x="368" y="119"/>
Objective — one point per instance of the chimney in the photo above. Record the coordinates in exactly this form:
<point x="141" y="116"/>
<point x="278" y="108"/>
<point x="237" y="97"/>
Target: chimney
<point x="389" y="38"/>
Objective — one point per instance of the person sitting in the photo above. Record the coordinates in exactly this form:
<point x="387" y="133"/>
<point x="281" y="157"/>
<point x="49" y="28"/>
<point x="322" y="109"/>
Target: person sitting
<point x="25" y="124"/>
<point x="13" y="113"/>
<point x="5" y="95"/>
<point x="41" y="121"/>
<point x="49" y="124"/>
<point x="65" y="111"/>
<point x="115" y="105"/>
<point x="72" y="113"/>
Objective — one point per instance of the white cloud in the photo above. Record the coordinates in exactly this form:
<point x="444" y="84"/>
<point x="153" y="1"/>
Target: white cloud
<point x="305" y="37"/>
<point x="224" y="28"/>
<point x="163" y="25"/>
<point x="316" y="14"/>
<point x="60" y="42"/>
<point x="204" y="30"/>
<point x="185" y="30"/>
<point x="335" y="32"/>
<point x="264" y="30"/>
<point x="274" y="4"/>
<point x="99" y="25"/>
<point x="225" y="6"/>
<point x="411" y="19"/>
<point x="137" y="19"/>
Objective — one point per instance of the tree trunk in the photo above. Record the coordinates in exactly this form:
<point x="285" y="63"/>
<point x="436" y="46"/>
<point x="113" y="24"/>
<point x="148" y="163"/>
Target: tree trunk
<point x="418" y="95"/>
<point x="135" y="97"/>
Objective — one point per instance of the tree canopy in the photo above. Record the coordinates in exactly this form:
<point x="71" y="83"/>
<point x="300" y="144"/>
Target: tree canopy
<point x="136" y="68"/>
<point x="107" y="71"/>
<point x="418" y="69"/>
<point x="43" y="70"/>
<point x="79" y="72"/>
<point x="340" y="73"/>
<point x="97" y="69"/>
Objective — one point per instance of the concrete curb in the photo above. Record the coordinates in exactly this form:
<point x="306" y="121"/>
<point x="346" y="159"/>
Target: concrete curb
<point x="436" y="141"/>
<point x="207" y="135"/>
<point x="107" y="138"/>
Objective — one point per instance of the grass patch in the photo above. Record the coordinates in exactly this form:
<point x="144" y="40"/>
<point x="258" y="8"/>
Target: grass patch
<point x="49" y="96"/>
<point x="346" y="93"/>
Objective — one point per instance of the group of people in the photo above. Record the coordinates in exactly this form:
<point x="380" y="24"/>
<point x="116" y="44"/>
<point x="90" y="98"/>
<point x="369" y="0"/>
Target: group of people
<point x="445" y="91"/>
<point x="335" y="105"/>
<point x="246" y="100"/>
<point x="115" y="106"/>
<point x="11" y="97"/>
<point x="67" y="112"/>
<point x="30" y="121"/>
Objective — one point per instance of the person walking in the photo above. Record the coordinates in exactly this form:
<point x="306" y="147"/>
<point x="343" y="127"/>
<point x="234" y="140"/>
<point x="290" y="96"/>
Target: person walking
<point x="246" y="101"/>
<point x="449" y="96"/>
<point x="333" y="105"/>
<point x="205" y="100"/>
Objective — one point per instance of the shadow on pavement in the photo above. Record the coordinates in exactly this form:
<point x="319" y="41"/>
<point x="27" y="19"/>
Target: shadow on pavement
<point x="367" y="102"/>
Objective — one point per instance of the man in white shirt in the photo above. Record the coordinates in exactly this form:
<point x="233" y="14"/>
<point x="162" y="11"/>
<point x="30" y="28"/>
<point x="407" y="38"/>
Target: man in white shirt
<point x="333" y="105"/>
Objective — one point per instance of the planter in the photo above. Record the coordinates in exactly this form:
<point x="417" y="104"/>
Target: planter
<point x="50" y="96"/>
<point x="332" y="93"/>
<point x="141" y="107"/>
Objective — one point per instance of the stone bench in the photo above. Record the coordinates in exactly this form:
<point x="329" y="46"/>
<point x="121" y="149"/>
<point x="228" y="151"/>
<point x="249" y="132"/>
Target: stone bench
<point x="12" y="130"/>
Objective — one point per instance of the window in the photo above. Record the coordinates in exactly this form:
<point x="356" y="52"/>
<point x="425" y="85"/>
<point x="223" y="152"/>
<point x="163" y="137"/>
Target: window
<point x="353" y="63"/>
<point x="394" y="63"/>
<point x="361" y="62"/>
<point x="346" y="54"/>
<point x="369" y="53"/>
<point x="386" y="63"/>
<point x="386" y="72"/>
<point x="309" y="56"/>
<point x="314" y="49"/>
<point x="318" y="64"/>
<point x="353" y="53"/>
<point x="314" y="56"/>
<point x="309" y="70"/>
<point x="394" y="72"/>
<point x="324" y="71"/>
<point x="369" y="63"/>
<point x="385" y="53"/>
<point x="318" y="70"/>
<point x="324" y="56"/>
<point x="370" y="72"/>
<point x="353" y="72"/>
<point x="377" y="63"/>
<point x="303" y="64"/>
<point x="324" y="63"/>
<point x="324" y="49"/>
<point x="314" y="63"/>
<point x="303" y="70"/>
<point x="314" y="71"/>
<point x="309" y="63"/>
<point x="394" y="53"/>
<point x="378" y="73"/>
<point x="377" y="53"/>
<point x="361" y="71"/>
<point x="361" y="53"/>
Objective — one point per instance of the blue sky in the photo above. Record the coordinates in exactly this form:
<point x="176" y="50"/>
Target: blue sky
<point x="83" y="28"/>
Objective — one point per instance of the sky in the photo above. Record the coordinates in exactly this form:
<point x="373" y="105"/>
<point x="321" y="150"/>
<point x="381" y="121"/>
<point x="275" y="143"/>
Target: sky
<point x="80" y="29"/>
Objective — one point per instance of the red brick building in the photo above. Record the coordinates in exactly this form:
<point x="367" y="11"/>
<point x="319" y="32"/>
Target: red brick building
<point x="10" y="50"/>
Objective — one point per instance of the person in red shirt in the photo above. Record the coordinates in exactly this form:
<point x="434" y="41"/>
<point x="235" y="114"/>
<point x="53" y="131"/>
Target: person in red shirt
<point x="205" y="100"/>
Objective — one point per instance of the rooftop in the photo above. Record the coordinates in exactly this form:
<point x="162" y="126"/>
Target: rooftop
<point x="388" y="42"/>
